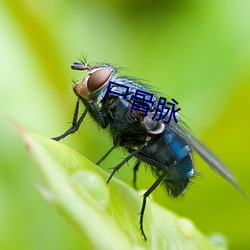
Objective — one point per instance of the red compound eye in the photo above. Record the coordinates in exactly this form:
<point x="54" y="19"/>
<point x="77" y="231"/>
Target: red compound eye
<point x="97" y="79"/>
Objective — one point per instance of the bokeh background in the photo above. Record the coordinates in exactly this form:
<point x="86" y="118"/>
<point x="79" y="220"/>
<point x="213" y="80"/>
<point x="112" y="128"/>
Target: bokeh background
<point x="197" y="52"/>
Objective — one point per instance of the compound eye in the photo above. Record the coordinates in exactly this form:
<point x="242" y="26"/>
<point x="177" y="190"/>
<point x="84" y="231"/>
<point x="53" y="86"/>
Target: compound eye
<point x="97" y="79"/>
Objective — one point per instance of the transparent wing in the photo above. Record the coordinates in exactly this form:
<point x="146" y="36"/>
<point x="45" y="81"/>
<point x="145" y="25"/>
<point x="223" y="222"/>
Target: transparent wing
<point x="206" y="154"/>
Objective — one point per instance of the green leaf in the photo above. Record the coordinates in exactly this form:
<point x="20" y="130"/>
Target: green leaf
<point x="107" y="215"/>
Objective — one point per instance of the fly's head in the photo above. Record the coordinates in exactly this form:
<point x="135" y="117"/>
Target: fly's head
<point x="96" y="79"/>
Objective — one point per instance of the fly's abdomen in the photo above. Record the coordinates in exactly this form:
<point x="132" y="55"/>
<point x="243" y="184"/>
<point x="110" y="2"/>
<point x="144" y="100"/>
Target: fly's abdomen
<point x="169" y="155"/>
<point x="180" y="166"/>
<point x="178" y="176"/>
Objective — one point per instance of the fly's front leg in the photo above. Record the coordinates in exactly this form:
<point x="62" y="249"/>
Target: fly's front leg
<point x="75" y="123"/>
<point x="97" y="114"/>
<point x="93" y="109"/>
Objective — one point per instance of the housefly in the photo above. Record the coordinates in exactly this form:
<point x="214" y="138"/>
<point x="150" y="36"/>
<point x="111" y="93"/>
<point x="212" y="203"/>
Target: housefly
<point x="164" y="146"/>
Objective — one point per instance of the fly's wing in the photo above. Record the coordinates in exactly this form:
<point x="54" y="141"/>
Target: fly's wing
<point x="206" y="154"/>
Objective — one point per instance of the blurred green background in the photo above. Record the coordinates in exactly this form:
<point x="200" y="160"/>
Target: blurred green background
<point x="197" y="52"/>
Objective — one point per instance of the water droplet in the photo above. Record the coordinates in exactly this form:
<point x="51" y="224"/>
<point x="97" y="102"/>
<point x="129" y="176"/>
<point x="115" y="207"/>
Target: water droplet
<point x="187" y="227"/>
<point x="95" y="186"/>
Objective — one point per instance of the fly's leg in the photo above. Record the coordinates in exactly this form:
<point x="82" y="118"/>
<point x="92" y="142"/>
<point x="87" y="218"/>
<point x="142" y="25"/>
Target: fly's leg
<point x="105" y="155"/>
<point x="125" y="160"/>
<point x="136" y="167"/>
<point x="145" y="196"/>
<point x="97" y="114"/>
<point x="91" y="107"/>
<point x="75" y="124"/>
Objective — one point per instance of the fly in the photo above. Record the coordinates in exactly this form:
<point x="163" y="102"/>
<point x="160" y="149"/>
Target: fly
<point x="165" y="146"/>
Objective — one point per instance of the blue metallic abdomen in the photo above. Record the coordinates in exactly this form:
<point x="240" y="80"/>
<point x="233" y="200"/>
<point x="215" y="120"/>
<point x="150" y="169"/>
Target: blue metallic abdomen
<point x="168" y="153"/>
